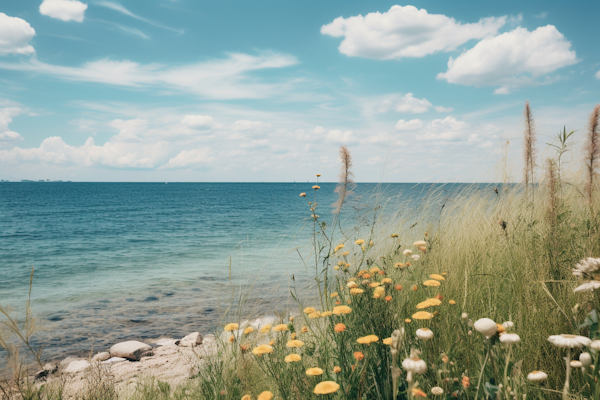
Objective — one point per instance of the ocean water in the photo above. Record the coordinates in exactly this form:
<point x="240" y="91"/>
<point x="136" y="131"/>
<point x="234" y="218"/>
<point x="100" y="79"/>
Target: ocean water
<point x="120" y="261"/>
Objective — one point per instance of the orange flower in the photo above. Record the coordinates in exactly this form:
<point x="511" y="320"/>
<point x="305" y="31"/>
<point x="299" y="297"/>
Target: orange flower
<point x="388" y="298"/>
<point x="232" y="339"/>
<point x="415" y="287"/>
<point x="304" y="329"/>
<point x="418" y="393"/>
<point x="445" y="359"/>
<point x="366" y="276"/>
<point x="358" y="355"/>
<point x="431" y="283"/>
<point x="337" y="369"/>
<point x="353" y="367"/>
<point x="271" y="343"/>
<point x="339" y="327"/>
<point x="398" y="287"/>
<point x="381" y="272"/>
<point x="407" y="320"/>
<point x="244" y="347"/>
<point x="337" y="303"/>
<point x="452" y="302"/>
<point x="439" y="297"/>
<point x="465" y="381"/>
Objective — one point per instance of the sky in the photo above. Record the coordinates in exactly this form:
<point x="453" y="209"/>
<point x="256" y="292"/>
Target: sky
<point x="267" y="91"/>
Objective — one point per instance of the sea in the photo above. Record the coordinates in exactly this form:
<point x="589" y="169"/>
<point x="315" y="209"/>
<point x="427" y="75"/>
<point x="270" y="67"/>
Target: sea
<point x="139" y="261"/>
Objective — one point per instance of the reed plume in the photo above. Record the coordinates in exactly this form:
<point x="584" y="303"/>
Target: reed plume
<point x="592" y="151"/>
<point x="346" y="180"/>
<point x="529" y="144"/>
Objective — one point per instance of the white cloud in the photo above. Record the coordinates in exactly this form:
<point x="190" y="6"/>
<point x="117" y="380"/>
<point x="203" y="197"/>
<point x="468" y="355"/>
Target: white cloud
<point x="66" y="10"/>
<point x="411" y="125"/>
<point x="597" y="75"/>
<point x="405" y="32"/>
<point x="119" y="8"/>
<point x="198" y="121"/>
<point x="189" y="159"/>
<point x="8" y="137"/>
<point x="443" y="109"/>
<point x="216" y="79"/>
<point x="410" y="104"/>
<point x="447" y="129"/>
<point x="336" y="136"/>
<point x="541" y="15"/>
<point x="245" y="125"/>
<point x="15" y="34"/>
<point x="130" y="130"/>
<point x="512" y="59"/>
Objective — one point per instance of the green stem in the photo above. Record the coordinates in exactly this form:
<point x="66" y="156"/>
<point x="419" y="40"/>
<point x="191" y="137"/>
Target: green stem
<point x="506" y="371"/>
<point x="483" y="368"/>
<point x="565" y="395"/>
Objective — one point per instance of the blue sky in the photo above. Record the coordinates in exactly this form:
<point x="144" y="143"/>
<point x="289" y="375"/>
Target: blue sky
<point x="181" y="90"/>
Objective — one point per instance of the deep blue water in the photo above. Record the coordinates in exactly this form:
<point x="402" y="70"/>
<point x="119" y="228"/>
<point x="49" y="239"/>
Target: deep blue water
<point x="115" y="261"/>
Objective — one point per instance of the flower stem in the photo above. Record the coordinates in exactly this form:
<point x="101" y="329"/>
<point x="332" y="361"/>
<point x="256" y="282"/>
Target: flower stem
<point x="506" y="370"/>
<point x="483" y="368"/>
<point x="565" y="395"/>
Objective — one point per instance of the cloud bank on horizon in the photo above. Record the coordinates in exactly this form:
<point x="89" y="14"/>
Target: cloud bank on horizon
<point x="178" y="91"/>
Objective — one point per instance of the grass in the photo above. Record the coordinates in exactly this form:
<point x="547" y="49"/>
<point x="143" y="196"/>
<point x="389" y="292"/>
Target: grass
<point x="502" y="252"/>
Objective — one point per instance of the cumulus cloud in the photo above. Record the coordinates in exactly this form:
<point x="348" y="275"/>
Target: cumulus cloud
<point x="407" y="104"/>
<point x="246" y="125"/>
<point x="15" y="34"/>
<point x="411" y="125"/>
<point x="189" y="159"/>
<point x="216" y="79"/>
<point x="512" y="59"/>
<point x="405" y="31"/>
<point x="66" y="10"/>
<point x="443" y="109"/>
<point x="447" y="129"/>
<point x="337" y="136"/>
<point x="198" y="121"/>
<point x="8" y="137"/>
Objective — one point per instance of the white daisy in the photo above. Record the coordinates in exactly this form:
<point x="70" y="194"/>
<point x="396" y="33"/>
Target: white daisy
<point x="508" y="324"/>
<point x="415" y="257"/>
<point x="576" y="364"/>
<point x="537" y="376"/>
<point x="510" y="338"/>
<point x="437" y="391"/>
<point x="407" y="252"/>
<point x="414" y="365"/>
<point x="424" y="334"/>
<point x="586" y="359"/>
<point x="570" y="341"/>
<point x="595" y="345"/>
<point x="486" y="326"/>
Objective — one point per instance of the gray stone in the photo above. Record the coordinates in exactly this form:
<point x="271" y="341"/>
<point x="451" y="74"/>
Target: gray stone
<point x="103" y="356"/>
<point x="76" y="366"/>
<point x="191" y="340"/>
<point x="68" y="360"/>
<point x="132" y="350"/>
<point x="51" y="368"/>
<point x="167" y="342"/>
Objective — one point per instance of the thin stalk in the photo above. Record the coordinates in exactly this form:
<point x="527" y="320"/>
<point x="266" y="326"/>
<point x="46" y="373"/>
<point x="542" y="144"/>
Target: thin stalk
<point x="565" y="395"/>
<point x="483" y="368"/>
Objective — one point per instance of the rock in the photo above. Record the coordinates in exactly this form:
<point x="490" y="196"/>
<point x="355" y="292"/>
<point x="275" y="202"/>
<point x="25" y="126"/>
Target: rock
<point x="103" y="356"/>
<point x="114" y="360"/>
<point x="191" y="340"/>
<point x="51" y="368"/>
<point x="132" y="350"/>
<point x="76" y="366"/>
<point x="67" y="361"/>
<point x="41" y="374"/>
<point x="167" y="342"/>
<point x="148" y="353"/>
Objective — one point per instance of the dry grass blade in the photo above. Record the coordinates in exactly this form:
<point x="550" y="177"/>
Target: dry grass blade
<point x="346" y="180"/>
<point x="592" y="151"/>
<point x="529" y="144"/>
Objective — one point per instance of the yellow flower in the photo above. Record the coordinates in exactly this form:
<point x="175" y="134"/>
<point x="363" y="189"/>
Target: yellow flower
<point x="339" y="247"/>
<point x="374" y="284"/>
<point x="339" y="310"/>
<point x="356" y="291"/>
<point x="334" y="294"/>
<point x="422" y="315"/>
<point x="293" y="336"/>
<point x="271" y="343"/>
<point x="374" y="269"/>
<point x="304" y="329"/>
<point x="265" y="328"/>
<point x="303" y="194"/>
<point x="431" y="283"/>
<point x="394" y="235"/>
<point x="326" y="387"/>
<point x="280" y="328"/>
<point x="452" y="302"/>
<point x="359" y="356"/>
<point x="337" y="370"/>
<point x="367" y="339"/>
<point x="387" y="341"/>
<point x="437" y="277"/>
<point x="400" y="265"/>
<point x="292" y="358"/>
<point x="407" y="320"/>
<point x="231" y="327"/>
<point x="247" y="397"/>
<point x="345" y="254"/>
<point x="386" y="280"/>
<point x="326" y="314"/>
<point x="318" y="175"/>
<point x="248" y="330"/>
<point x="295" y="343"/>
<point x="316" y="187"/>
<point x="262" y="349"/>
<point x="265" y="396"/>
<point x="339" y="328"/>
<point x="314" y="315"/>
<point x="428" y="303"/>
<point x="378" y="292"/>
<point x="360" y="242"/>
<point x="309" y="310"/>
<point x="314" y="371"/>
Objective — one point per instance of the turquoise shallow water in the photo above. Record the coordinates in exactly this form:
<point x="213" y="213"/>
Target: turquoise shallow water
<point x="116" y="261"/>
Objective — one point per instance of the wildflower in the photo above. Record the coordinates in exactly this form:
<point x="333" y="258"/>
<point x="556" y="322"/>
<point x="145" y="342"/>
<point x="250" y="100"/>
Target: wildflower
<point x="500" y="329"/>
<point x="295" y="343"/>
<point x="232" y="339"/>
<point x="415" y="257"/>
<point x="337" y="370"/>
<point x="351" y="284"/>
<point x="326" y="387"/>
<point x="353" y="367"/>
<point x="415" y="288"/>
<point x="318" y="175"/>
<point x="358" y="356"/>
<point x="486" y="326"/>
<point x="292" y="358"/>
<point x="428" y="303"/>
<point x="265" y="396"/>
<point x="570" y="341"/>
<point x="422" y="315"/>
<point x="437" y="277"/>
<point x="371" y="243"/>
<point x="399" y="265"/>
<point x="439" y="297"/>
<point x="537" y="376"/>
<point x="510" y="338"/>
<point x="431" y="283"/>
<point x="366" y="276"/>
<point x="309" y="310"/>
<point x="281" y="328"/>
<point x="247" y="397"/>
<point x="339" y="310"/>
<point x="265" y="328"/>
<point x="336" y="267"/>
<point x="316" y="187"/>
<point x="407" y="320"/>
<point x="386" y="280"/>
<point x="248" y="330"/>
<point x="356" y="291"/>
<point x="378" y="292"/>
<point x="394" y="235"/>
<point x="334" y="294"/>
<point x="367" y="339"/>
<point x="314" y="371"/>
<point x="437" y="391"/>
<point x="407" y="252"/>
<point x="398" y="287"/>
<point x="585" y="359"/>
<point x="293" y="336"/>
<point x="416" y="392"/>
<point x="337" y="303"/>
<point x="244" y="347"/>
<point x="420" y="243"/>
<point x="576" y="364"/>
<point x="262" y="349"/>
<point x="423" y="249"/>
<point x="465" y="382"/>
<point x="414" y="365"/>
<point x="345" y="254"/>
<point x="291" y="318"/>
<point x="339" y="247"/>
<point x="508" y="324"/>
<point x="424" y="334"/>
<point x="464" y="315"/>
<point x="360" y="242"/>
<point x="374" y="269"/>
<point x="302" y="194"/>
<point x="314" y="315"/>
<point x="445" y="359"/>
<point x="388" y="298"/>
<point x="387" y="341"/>
<point x="381" y="272"/>
<point x="231" y="327"/>
<point x="304" y="329"/>
<point x="452" y="302"/>
<point x="339" y="327"/>
<point x="374" y="284"/>
<point x="326" y="314"/>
